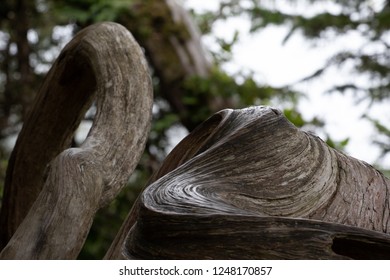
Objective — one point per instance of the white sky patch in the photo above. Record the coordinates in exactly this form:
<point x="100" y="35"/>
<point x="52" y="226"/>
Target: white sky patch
<point x="278" y="65"/>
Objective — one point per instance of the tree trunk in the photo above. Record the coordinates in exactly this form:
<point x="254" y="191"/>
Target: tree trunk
<point x="247" y="184"/>
<point x="172" y="43"/>
<point x="61" y="199"/>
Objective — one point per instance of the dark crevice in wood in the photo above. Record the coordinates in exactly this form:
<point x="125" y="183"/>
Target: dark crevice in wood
<point x="360" y="249"/>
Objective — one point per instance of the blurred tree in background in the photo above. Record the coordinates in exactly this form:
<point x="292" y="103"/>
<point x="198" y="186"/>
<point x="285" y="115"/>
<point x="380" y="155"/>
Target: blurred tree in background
<point x="190" y="82"/>
<point x="319" y="21"/>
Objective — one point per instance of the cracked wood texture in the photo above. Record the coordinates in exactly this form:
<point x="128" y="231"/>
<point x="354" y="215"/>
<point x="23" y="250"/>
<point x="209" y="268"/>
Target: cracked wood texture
<point x="47" y="211"/>
<point x="247" y="184"/>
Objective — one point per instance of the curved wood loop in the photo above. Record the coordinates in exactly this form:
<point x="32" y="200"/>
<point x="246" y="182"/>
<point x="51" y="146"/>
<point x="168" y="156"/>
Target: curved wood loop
<point x="103" y="58"/>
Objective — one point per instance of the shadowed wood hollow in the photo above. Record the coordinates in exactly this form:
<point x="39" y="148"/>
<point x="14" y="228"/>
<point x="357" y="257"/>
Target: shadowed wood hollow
<point x="245" y="184"/>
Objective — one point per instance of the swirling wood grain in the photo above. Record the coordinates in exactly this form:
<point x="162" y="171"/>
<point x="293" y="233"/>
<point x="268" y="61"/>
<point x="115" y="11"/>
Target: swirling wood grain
<point x="248" y="184"/>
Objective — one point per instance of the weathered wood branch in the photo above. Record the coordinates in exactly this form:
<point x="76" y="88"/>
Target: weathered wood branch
<point x="244" y="184"/>
<point x="103" y="58"/>
<point x="248" y="184"/>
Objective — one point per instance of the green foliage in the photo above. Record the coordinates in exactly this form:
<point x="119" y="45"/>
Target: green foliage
<point x="298" y="120"/>
<point x="241" y="87"/>
<point x="165" y="122"/>
<point x="383" y="137"/>
<point x="87" y="11"/>
<point x="365" y="18"/>
<point x="239" y="90"/>
<point x="262" y="17"/>
<point x="244" y="91"/>
<point x="339" y="145"/>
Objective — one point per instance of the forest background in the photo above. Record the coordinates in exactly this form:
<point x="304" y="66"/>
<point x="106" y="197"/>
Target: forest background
<point x="32" y="33"/>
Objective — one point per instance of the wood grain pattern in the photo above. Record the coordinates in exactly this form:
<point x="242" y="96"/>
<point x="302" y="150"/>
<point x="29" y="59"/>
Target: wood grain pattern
<point x="245" y="184"/>
<point x="248" y="184"/>
<point x="103" y="59"/>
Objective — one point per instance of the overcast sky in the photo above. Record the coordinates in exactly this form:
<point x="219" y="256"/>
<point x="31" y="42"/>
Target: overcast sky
<point x="278" y="65"/>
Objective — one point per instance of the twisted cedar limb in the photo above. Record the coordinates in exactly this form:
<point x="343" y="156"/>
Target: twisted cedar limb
<point x="247" y="184"/>
<point x="244" y="184"/>
<point x="60" y="205"/>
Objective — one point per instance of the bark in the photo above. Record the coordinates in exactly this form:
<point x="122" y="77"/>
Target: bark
<point x="247" y="184"/>
<point x="244" y="184"/>
<point x="60" y="200"/>
<point x="172" y="43"/>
